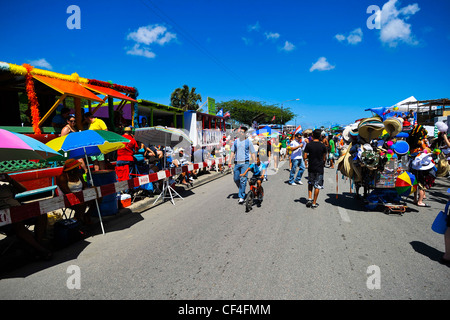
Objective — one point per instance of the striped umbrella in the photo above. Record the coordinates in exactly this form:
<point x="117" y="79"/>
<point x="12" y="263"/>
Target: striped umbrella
<point x="87" y="143"/>
<point x="405" y="184"/>
<point x="16" y="146"/>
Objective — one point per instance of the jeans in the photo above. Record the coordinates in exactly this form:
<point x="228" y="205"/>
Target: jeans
<point x="241" y="182"/>
<point x="296" y="163"/>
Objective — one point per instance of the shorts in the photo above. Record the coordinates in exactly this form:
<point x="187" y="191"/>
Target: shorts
<point x="315" y="179"/>
<point x="100" y="157"/>
<point x="254" y="179"/>
<point x="282" y="151"/>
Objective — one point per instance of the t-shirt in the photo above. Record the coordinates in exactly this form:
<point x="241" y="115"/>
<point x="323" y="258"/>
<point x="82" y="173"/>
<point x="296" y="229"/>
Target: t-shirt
<point x="242" y="150"/>
<point x="276" y="147"/>
<point x="283" y="143"/>
<point x="257" y="170"/>
<point x="297" y="153"/>
<point x="332" y="146"/>
<point x="98" y="124"/>
<point x="126" y="154"/>
<point x="316" y="151"/>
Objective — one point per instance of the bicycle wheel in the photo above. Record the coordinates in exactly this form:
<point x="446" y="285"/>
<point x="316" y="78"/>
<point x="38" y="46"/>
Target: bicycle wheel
<point x="249" y="201"/>
<point x="261" y="195"/>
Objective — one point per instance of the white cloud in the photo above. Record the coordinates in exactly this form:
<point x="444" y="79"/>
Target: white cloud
<point x="394" y="28"/>
<point x="288" y="46"/>
<point x="354" y="37"/>
<point x="340" y="37"/>
<point x="321" y="65"/>
<point x="254" y="27"/>
<point x="149" y="35"/>
<point x="272" y="35"/>
<point x="138" y="51"/>
<point x="41" y="63"/>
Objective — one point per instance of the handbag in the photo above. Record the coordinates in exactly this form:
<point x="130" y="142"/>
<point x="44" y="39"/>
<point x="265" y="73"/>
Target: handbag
<point x="440" y="222"/>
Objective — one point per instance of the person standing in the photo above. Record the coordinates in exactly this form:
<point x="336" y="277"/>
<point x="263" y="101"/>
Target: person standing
<point x="241" y="152"/>
<point x="315" y="153"/>
<point x="297" y="146"/>
<point x="96" y="124"/>
<point x="125" y="155"/>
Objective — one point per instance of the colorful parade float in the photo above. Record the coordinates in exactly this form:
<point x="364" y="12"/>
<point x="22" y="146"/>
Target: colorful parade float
<point x="30" y="98"/>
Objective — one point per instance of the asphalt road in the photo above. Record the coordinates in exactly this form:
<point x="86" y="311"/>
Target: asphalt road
<point x="207" y="247"/>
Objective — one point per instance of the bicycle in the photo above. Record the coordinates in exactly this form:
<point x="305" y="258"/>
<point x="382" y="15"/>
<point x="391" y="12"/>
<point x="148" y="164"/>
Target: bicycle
<point x="253" y="195"/>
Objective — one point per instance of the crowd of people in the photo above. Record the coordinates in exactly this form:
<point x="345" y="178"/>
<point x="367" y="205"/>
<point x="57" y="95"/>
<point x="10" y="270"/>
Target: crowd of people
<point x="359" y="151"/>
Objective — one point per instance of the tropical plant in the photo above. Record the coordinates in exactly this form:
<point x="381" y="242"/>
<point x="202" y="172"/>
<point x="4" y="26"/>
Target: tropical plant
<point x="185" y="98"/>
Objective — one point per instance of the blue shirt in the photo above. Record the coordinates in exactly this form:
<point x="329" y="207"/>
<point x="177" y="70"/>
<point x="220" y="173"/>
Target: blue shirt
<point x="242" y="150"/>
<point x="257" y="170"/>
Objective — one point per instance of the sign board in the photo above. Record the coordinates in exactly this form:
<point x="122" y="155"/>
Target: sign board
<point x="211" y="106"/>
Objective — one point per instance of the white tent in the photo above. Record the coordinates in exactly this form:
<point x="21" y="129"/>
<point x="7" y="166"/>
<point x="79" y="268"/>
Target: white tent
<point x="411" y="104"/>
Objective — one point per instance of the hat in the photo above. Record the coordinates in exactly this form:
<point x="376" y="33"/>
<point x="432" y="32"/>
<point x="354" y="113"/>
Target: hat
<point x="419" y="132"/>
<point x="128" y="129"/>
<point x="401" y="147"/>
<point x="441" y="126"/>
<point x="370" y="159"/>
<point x="370" y="128"/>
<point x="71" y="164"/>
<point x="423" y="161"/>
<point x="393" y="126"/>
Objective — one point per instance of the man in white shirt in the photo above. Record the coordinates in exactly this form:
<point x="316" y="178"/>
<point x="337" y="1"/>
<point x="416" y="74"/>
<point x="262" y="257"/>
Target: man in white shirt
<point x="297" y="147"/>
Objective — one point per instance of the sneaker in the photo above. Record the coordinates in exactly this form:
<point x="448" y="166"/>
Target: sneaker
<point x="241" y="201"/>
<point x="299" y="182"/>
<point x="293" y="184"/>
<point x="314" y="205"/>
<point x="309" y="203"/>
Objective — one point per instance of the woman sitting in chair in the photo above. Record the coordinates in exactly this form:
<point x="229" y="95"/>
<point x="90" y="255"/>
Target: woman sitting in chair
<point x="70" y="181"/>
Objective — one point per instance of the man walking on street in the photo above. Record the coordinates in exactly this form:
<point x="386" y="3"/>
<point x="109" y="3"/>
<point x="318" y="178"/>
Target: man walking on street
<point x="297" y="146"/>
<point x="315" y="153"/>
<point x="241" y="152"/>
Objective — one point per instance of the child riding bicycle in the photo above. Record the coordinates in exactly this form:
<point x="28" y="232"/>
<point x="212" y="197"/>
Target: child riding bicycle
<point x="258" y="168"/>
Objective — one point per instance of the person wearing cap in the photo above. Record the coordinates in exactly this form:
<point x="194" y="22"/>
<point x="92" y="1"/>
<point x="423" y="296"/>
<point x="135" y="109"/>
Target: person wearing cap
<point x="125" y="155"/>
<point x="96" y="124"/>
<point x="70" y="181"/>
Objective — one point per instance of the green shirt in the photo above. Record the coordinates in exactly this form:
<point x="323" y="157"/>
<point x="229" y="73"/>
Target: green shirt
<point x="283" y="143"/>
<point x="333" y="149"/>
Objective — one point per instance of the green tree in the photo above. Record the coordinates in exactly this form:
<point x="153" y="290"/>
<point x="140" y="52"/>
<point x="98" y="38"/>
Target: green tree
<point x="185" y="98"/>
<point x="245" y="111"/>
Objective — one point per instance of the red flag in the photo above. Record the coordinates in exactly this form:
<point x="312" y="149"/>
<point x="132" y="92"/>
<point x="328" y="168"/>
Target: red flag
<point x="273" y="119"/>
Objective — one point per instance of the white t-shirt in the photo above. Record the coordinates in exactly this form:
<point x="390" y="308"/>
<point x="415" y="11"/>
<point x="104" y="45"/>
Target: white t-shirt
<point x="297" y="153"/>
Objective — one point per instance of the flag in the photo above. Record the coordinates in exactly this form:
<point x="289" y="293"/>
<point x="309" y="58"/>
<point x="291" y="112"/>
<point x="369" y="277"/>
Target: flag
<point x="227" y="114"/>
<point x="299" y="129"/>
<point x="220" y="113"/>
<point x="273" y="119"/>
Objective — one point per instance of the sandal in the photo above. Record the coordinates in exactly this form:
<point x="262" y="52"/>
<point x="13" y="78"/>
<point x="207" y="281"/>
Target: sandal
<point x="424" y="205"/>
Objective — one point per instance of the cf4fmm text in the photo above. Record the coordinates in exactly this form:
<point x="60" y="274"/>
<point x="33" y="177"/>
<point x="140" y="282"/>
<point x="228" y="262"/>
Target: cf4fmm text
<point x="227" y="309"/>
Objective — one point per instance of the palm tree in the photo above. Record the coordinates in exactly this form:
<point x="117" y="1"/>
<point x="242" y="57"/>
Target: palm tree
<point x="185" y="99"/>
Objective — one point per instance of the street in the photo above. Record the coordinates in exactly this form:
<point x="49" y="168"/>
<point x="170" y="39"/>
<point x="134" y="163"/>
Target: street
<point x="206" y="247"/>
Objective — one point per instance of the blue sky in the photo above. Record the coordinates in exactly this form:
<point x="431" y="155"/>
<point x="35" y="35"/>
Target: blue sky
<point x="321" y="52"/>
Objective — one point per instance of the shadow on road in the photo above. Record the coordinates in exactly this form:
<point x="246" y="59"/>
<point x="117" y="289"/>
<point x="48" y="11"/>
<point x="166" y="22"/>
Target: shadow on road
<point x="426" y="250"/>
